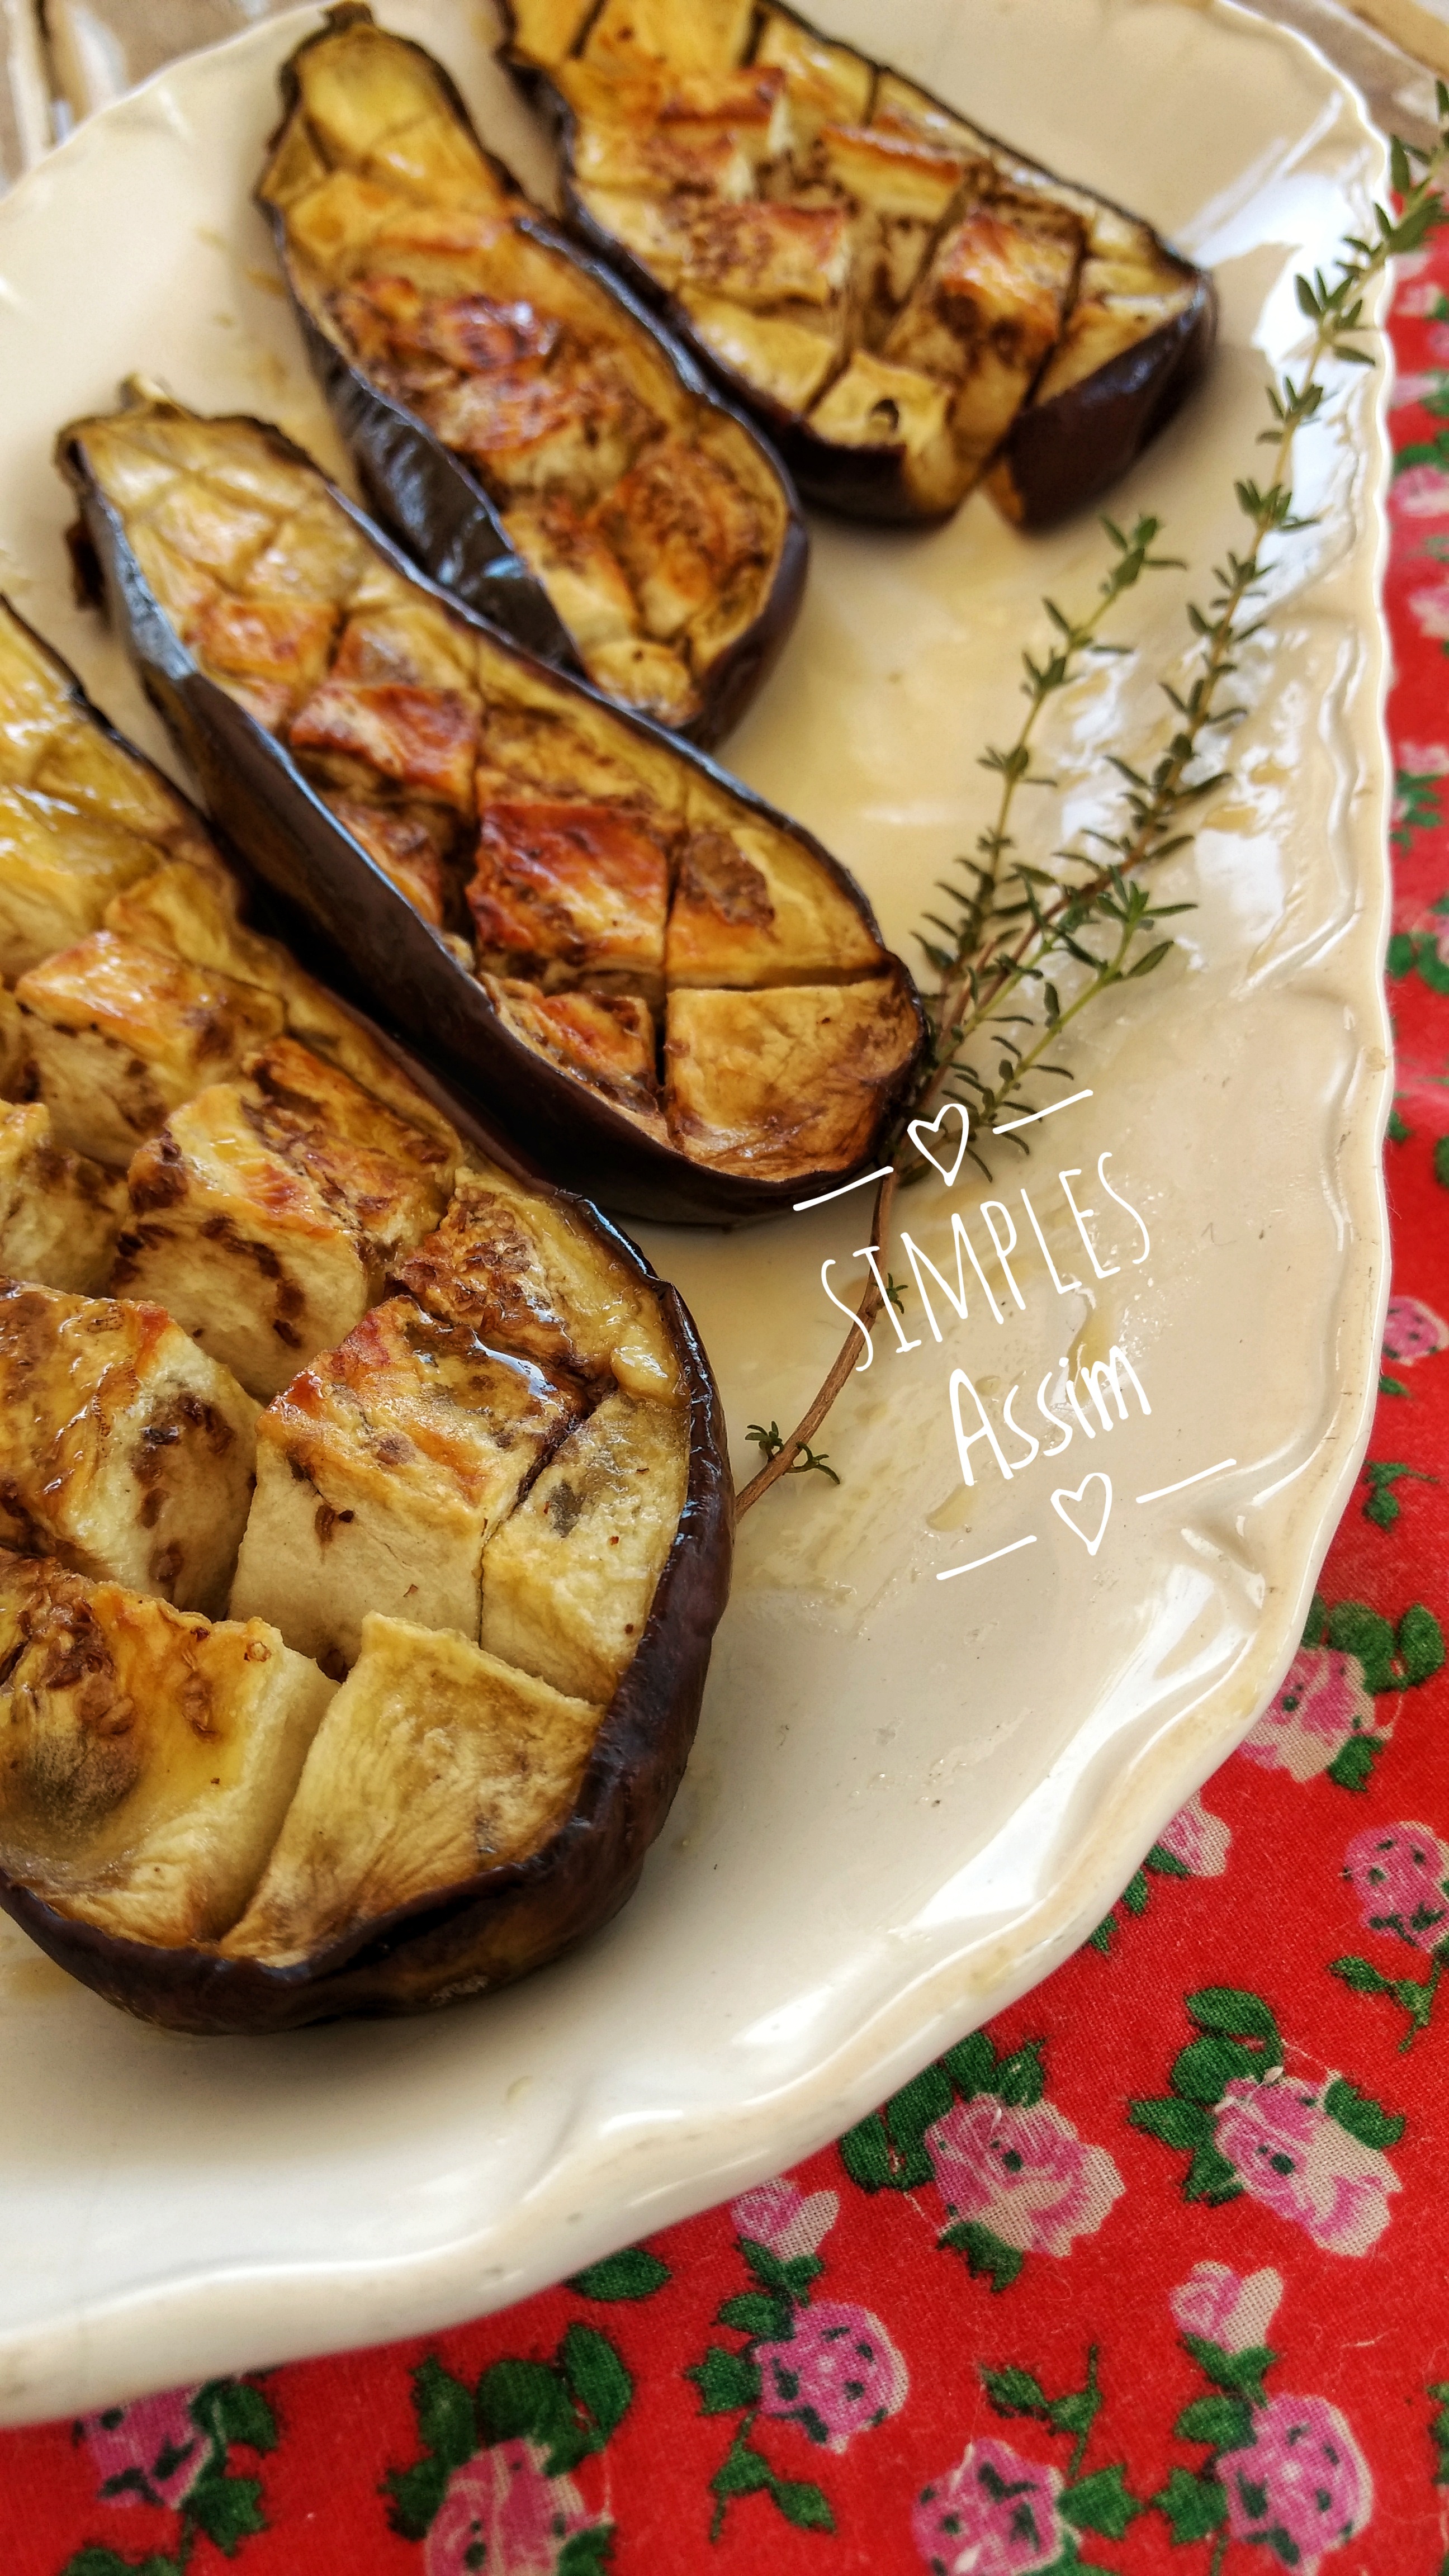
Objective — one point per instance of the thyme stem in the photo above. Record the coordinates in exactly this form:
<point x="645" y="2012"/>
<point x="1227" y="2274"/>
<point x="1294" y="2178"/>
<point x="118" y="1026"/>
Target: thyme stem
<point x="1155" y="803"/>
<point x="805" y="1429"/>
<point x="1044" y="680"/>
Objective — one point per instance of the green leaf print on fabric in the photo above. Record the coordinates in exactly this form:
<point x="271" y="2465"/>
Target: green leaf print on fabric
<point x="1416" y="809"/>
<point x="1383" y="1506"/>
<point x="108" y="2562"/>
<point x="1195" y="2506"/>
<point x="1439" y="2431"/>
<point x="1013" y="2174"/>
<point x="1400" y="1874"/>
<point x="1283" y="2473"/>
<point x="1101" y="2503"/>
<point x="1015" y="2392"/>
<point x="1240" y="2372"/>
<point x="1325" y="1719"/>
<point x="745" y="2471"/>
<point x="1001" y="2509"/>
<point x="987" y="2258"/>
<point x="1314" y="2154"/>
<point x="728" y="2382"/>
<point x="823" y="2369"/>
<point x="447" y="2423"/>
<point x="634" y="2274"/>
<point x="494" y="2483"/>
<point x="1361" y="2115"/>
<point x="174" y="2452"/>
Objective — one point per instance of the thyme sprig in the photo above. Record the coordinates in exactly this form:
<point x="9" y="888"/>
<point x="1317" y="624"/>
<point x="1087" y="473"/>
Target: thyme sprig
<point x="1017" y="931"/>
<point x="773" y="1441"/>
<point x="781" y="1462"/>
<point x="1157" y="800"/>
<point x="1045" y="920"/>
<point x="974" y="903"/>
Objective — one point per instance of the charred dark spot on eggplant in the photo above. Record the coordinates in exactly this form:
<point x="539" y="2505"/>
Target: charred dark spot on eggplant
<point x="314" y="1704"/>
<point x="533" y="434"/>
<point x="676" y="993"/>
<point x="909" y="305"/>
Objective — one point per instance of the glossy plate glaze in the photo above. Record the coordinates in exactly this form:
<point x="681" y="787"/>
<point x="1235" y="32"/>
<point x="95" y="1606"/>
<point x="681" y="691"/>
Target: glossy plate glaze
<point x="909" y="1799"/>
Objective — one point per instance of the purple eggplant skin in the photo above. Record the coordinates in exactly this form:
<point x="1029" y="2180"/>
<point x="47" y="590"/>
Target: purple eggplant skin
<point x="426" y="498"/>
<point x="400" y="967"/>
<point x="1058" y="455"/>
<point x="1056" y="458"/>
<point x="468" y="1939"/>
<point x="434" y="503"/>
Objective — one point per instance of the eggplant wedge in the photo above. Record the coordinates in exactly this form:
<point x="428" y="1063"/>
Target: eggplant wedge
<point x="529" y="431"/>
<point x="908" y="305"/>
<point x="365" y="1515"/>
<point x="675" y="995"/>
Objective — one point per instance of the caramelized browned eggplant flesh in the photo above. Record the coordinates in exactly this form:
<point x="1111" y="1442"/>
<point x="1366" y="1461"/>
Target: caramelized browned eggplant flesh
<point x="363" y="1511"/>
<point x="662" y="531"/>
<point x="908" y="303"/>
<point x="630" y="944"/>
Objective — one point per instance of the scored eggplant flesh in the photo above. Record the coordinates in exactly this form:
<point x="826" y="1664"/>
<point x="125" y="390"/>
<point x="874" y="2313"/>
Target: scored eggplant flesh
<point x="300" y="1743"/>
<point x="685" y="998"/>
<point x="661" y="529"/>
<point x="906" y="303"/>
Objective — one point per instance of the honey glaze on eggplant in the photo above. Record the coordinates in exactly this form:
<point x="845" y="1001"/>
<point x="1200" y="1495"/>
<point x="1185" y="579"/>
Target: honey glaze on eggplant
<point x="436" y="300"/>
<point x="364" y="1517"/>
<point x="907" y="303"/>
<point x="679" y="997"/>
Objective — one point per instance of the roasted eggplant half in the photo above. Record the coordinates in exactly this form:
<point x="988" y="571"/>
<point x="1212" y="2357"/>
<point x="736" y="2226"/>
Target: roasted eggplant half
<point x="365" y="1519"/>
<point x="676" y="996"/>
<point x="540" y="445"/>
<point x="906" y="303"/>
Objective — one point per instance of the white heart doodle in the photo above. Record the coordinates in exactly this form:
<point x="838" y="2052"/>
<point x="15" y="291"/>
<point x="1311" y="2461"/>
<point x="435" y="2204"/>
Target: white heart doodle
<point x="1073" y="1494"/>
<point x="920" y="1127"/>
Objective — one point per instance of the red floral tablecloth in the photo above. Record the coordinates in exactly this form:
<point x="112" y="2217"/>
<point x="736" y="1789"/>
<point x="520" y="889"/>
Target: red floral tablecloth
<point x="1151" y="2275"/>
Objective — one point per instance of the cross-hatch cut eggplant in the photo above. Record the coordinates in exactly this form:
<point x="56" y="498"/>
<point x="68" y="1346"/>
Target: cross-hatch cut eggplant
<point x="364" y="1514"/>
<point x="499" y="392"/>
<point x="678" y="997"/>
<point x="905" y="302"/>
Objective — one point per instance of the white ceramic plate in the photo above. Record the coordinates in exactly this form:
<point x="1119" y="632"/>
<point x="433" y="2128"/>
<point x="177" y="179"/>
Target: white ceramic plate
<point x="909" y="1799"/>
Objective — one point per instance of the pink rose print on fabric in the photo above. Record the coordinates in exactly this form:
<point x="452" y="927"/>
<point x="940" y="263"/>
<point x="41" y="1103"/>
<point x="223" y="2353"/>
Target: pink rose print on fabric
<point x="502" y="2516"/>
<point x="1399" y="1874"/>
<point x="994" y="2514"/>
<point x="1304" y="2476"/>
<point x="1024" y="2173"/>
<point x="1419" y="301"/>
<point x="1293" y="2156"/>
<point x="839" y="2374"/>
<point x="1414" y="1331"/>
<point x="1426" y="759"/>
<point x="1223" y="2307"/>
<point x="1199" y="1839"/>
<point x="1430" y="609"/>
<point x="1324" y="1701"/>
<point x="149" y="2453"/>
<point x="787" y="2220"/>
<point x="1421" y="492"/>
<point x="1412" y="388"/>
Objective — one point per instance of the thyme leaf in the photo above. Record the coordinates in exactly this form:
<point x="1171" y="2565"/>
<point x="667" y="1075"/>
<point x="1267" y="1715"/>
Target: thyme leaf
<point x="773" y="1443"/>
